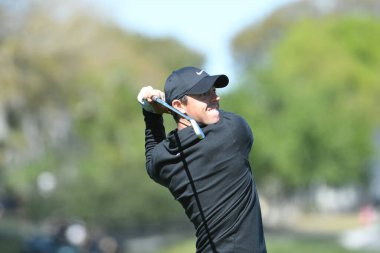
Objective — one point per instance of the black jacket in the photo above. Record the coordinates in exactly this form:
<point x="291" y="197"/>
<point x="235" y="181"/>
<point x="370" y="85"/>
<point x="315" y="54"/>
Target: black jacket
<point x="222" y="176"/>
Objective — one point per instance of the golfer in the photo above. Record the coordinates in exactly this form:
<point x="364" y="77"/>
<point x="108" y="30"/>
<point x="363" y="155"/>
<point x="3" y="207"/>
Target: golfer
<point x="210" y="177"/>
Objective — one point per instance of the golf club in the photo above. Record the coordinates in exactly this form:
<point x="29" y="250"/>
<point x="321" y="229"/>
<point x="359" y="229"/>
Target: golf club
<point x="194" y="124"/>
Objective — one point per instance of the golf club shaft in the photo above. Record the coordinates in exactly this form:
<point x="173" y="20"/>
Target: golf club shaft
<point x="198" y="131"/>
<point x="162" y="102"/>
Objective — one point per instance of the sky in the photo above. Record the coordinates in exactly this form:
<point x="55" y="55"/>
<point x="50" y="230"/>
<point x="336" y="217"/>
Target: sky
<point x="204" y="25"/>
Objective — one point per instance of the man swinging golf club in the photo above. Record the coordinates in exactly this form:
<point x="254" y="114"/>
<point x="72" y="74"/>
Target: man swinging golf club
<point x="206" y="170"/>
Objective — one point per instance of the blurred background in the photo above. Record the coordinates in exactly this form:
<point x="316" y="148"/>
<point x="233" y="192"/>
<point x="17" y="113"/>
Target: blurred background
<point x="305" y="74"/>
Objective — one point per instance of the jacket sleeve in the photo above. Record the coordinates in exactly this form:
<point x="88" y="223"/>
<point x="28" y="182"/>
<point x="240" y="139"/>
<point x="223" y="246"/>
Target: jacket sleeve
<point x="154" y="134"/>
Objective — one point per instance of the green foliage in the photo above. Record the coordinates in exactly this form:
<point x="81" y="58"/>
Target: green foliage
<point x="314" y="106"/>
<point x="68" y="96"/>
<point x="82" y="73"/>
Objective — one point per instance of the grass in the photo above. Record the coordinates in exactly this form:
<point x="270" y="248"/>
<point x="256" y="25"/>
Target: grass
<point x="10" y="244"/>
<point x="279" y="243"/>
<point x="185" y="246"/>
<point x="310" y="233"/>
<point x="296" y="243"/>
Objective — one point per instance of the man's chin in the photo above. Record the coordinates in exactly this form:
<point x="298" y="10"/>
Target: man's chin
<point x="214" y="115"/>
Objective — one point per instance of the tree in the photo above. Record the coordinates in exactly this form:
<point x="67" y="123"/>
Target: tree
<point x="314" y="104"/>
<point x="69" y="89"/>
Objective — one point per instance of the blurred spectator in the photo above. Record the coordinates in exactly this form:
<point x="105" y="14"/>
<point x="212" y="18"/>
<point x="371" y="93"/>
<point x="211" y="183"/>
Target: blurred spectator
<point x="10" y="202"/>
<point x="54" y="243"/>
<point x="72" y="238"/>
<point x="367" y="215"/>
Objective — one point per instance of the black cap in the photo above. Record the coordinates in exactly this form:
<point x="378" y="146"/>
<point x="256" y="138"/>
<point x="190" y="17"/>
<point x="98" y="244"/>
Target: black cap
<point x="191" y="81"/>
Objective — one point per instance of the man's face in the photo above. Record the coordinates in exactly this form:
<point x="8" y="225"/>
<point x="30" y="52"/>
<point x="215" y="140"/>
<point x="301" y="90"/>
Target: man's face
<point x="203" y="108"/>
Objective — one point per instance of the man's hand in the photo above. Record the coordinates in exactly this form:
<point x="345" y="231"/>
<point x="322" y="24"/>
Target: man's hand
<point x="145" y="98"/>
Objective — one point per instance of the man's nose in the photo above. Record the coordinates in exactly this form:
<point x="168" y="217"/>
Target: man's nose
<point x="214" y="96"/>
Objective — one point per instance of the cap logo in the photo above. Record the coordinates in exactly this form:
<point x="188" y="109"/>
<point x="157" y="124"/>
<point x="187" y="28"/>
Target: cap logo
<point x="200" y="72"/>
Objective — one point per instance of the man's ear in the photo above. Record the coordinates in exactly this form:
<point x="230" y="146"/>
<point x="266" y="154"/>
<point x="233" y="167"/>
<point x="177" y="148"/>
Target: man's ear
<point x="177" y="104"/>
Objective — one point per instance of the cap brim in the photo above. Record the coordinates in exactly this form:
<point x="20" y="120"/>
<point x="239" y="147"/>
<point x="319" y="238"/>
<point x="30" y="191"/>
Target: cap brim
<point x="206" y="83"/>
